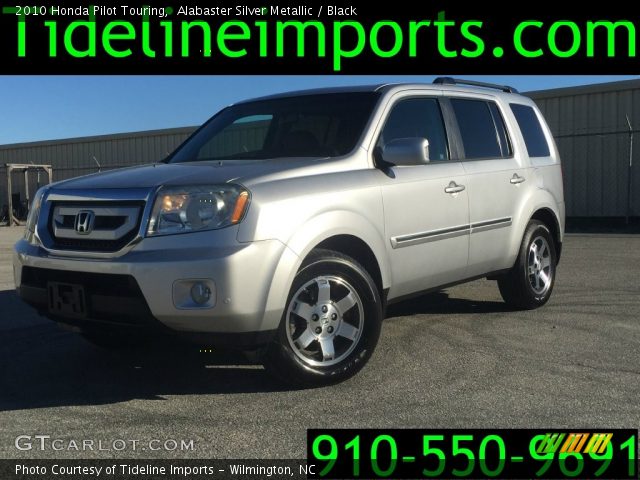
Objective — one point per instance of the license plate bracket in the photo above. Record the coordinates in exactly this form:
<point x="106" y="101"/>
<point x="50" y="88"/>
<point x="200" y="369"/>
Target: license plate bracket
<point x="67" y="300"/>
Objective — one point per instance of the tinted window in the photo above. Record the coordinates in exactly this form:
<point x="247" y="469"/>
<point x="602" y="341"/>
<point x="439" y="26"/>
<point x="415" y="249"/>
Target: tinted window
<point x="421" y="118"/>
<point x="245" y="134"/>
<point x="501" y="128"/>
<point x="323" y="125"/>
<point x="482" y="129"/>
<point x="531" y="129"/>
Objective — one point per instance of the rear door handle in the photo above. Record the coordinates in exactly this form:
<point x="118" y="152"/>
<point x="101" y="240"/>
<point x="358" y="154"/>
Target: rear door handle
<point x="517" y="179"/>
<point x="454" y="188"/>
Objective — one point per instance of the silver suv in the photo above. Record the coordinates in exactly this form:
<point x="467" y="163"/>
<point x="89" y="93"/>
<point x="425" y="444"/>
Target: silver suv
<point x="285" y="225"/>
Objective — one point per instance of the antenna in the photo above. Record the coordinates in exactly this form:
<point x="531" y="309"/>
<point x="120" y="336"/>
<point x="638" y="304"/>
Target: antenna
<point x="97" y="163"/>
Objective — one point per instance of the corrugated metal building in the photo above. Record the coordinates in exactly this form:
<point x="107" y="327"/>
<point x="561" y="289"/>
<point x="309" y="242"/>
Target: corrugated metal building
<point x="81" y="156"/>
<point x="590" y="126"/>
<point x="588" y="122"/>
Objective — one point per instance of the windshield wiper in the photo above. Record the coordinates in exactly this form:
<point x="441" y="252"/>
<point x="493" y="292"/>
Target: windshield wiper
<point x="236" y="156"/>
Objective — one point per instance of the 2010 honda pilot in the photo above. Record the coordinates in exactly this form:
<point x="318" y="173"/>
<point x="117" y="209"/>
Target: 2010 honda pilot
<point x="286" y="224"/>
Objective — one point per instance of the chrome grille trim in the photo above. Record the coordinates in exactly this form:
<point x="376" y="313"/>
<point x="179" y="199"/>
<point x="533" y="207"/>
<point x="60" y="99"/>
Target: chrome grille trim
<point x="141" y="197"/>
<point x="129" y="216"/>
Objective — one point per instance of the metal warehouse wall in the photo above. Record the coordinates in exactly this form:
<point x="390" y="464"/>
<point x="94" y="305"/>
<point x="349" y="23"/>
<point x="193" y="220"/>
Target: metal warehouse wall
<point x="590" y="127"/>
<point x="74" y="157"/>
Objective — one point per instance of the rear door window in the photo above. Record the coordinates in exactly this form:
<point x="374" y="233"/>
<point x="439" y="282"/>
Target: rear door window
<point x="482" y="129"/>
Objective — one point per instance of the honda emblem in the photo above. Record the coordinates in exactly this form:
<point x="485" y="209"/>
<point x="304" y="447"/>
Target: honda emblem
<point x="84" y="222"/>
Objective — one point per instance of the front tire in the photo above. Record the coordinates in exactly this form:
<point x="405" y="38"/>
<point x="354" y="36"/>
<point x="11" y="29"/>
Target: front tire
<point x="528" y="285"/>
<point x="331" y="323"/>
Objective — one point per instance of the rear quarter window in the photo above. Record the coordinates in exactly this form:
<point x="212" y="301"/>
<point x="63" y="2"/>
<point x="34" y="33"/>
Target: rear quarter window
<point x="531" y="129"/>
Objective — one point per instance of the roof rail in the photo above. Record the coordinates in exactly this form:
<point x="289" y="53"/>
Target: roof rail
<point x="458" y="81"/>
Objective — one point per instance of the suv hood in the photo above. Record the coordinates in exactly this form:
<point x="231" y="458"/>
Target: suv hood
<point x="198" y="173"/>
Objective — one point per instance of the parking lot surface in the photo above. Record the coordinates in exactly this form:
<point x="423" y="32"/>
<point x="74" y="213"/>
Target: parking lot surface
<point x="453" y="359"/>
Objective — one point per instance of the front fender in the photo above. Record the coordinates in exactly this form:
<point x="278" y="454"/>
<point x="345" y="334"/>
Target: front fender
<point x="310" y="234"/>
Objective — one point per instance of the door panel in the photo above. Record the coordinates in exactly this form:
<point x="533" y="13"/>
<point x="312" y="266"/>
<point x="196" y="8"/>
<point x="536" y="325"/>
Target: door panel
<point x="427" y="228"/>
<point x="493" y="203"/>
<point x="496" y="180"/>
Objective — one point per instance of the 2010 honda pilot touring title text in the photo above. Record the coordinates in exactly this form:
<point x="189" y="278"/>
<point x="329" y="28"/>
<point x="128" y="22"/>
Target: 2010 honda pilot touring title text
<point x="286" y="224"/>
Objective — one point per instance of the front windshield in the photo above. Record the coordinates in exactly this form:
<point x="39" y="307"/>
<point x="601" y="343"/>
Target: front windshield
<point x="320" y="125"/>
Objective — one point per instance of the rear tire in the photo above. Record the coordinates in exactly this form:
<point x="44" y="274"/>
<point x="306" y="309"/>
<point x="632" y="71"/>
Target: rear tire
<point x="331" y="323"/>
<point x="528" y="285"/>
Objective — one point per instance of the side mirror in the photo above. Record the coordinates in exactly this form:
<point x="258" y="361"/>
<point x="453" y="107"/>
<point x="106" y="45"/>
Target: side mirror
<point x="406" y="151"/>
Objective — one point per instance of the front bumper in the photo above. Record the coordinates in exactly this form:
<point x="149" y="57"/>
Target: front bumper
<point x="137" y="288"/>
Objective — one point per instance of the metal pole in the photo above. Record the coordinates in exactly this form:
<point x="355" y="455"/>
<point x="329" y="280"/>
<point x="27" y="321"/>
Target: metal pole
<point x="26" y="185"/>
<point x="10" y="194"/>
<point x="38" y="177"/>
<point x="630" y="170"/>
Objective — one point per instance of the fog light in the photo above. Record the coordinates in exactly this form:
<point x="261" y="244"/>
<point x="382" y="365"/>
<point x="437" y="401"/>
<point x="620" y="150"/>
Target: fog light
<point x="200" y="293"/>
<point x="194" y="293"/>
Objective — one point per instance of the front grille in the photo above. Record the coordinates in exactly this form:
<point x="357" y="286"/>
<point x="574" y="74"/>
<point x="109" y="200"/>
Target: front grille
<point x="101" y="223"/>
<point x="81" y="245"/>
<point x="114" y="225"/>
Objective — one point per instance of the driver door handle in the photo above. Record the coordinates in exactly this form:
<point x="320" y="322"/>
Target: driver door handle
<point x="454" y="188"/>
<point x="516" y="179"/>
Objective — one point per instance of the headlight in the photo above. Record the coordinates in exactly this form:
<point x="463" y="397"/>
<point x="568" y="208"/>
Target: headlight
<point x="34" y="212"/>
<point x="196" y="208"/>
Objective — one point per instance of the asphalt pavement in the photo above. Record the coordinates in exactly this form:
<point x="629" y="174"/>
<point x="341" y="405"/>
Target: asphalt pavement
<point x="453" y="359"/>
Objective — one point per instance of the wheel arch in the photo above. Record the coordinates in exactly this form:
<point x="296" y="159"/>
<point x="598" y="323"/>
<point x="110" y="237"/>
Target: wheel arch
<point x="343" y="231"/>
<point x="549" y="218"/>
<point x="357" y="249"/>
<point x="538" y="204"/>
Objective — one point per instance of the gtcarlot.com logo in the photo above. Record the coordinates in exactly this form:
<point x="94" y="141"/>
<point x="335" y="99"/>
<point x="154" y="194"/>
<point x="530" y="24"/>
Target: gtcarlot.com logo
<point x="47" y="442"/>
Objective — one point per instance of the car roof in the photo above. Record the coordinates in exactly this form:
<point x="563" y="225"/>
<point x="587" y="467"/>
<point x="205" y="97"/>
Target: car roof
<point x="319" y="91"/>
<point x="382" y="88"/>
